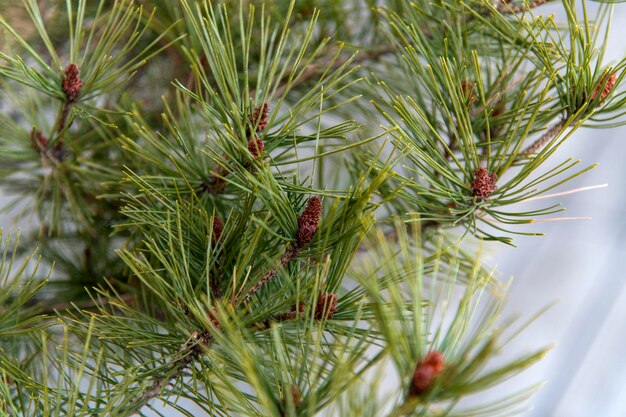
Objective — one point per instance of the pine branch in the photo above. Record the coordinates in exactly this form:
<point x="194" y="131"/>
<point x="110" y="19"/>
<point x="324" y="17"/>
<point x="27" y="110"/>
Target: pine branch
<point x="187" y="354"/>
<point x="289" y="255"/>
<point x="505" y="7"/>
<point x="544" y="139"/>
<point x="315" y="69"/>
<point x="308" y="223"/>
<point x="226" y="282"/>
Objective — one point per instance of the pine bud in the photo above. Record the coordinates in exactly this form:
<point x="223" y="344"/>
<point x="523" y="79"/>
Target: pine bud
<point x="294" y="313"/>
<point x="216" y="183"/>
<point x="213" y="314"/>
<point x="309" y="221"/>
<point x="606" y="85"/>
<point x="296" y="400"/>
<point x="259" y="116"/>
<point x="484" y="183"/>
<point x="72" y="83"/>
<point x="256" y="148"/>
<point x="196" y="342"/>
<point x="37" y="140"/>
<point x="217" y="230"/>
<point x="58" y="152"/>
<point x="468" y="92"/>
<point x="296" y="396"/>
<point x="426" y="370"/>
<point x="326" y="306"/>
<point x="434" y="359"/>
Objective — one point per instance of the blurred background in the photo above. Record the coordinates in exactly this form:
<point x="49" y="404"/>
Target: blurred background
<point x="578" y="267"/>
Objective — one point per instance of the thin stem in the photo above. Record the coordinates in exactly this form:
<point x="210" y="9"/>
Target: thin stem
<point x="62" y="119"/>
<point x="290" y="254"/>
<point x="322" y="65"/>
<point x="505" y="8"/>
<point x="406" y="407"/>
<point x="189" y="351"/>
<point x="543" y="140"/>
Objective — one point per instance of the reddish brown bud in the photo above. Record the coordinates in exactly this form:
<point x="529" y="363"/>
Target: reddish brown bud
<point x="326" y="306"/>
<point x="217" y="230"/>
<point x="484" y="183"/>
<point x="296" y="396"/>
<point x="309" y="221"/>
<point x="72" y="83"/>
<point x="426" y="370"/>
<point x="296" y="400"/>
<point x="213" y="313"/>
<point x="216" y="183"/>
<point x="422" y="377"/>
<point x="468" y="92"/>
<point x="294" y="313"/>
<point x="37" y="140"/>
<point x="606" y="85"/>
<point x="198" y="341"/>
<point x="259" y="116"/>
<point x="434" y="359"/>
<point x="495" y="126"/>
<point x="256" y="148"/>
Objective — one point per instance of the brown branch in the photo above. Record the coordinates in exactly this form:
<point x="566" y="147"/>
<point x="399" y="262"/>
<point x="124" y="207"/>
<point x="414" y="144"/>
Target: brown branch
<point x="290" y="254"/>
<point x="65" y="111"/>
<point x="324" y="310"/>
<point x="505" y="8"/>
<point x="544" y="139"/>
<point x="308" y="222"/>
<point x="323" y="65"/>
<point x="188" y="352"/>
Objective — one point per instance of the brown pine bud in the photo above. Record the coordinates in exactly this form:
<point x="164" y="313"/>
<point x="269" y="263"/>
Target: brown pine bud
<point x="606" y="85"/>
<point x="294" y="313"/>
<point x="259" y="116"/>
<point x="309" y="221"/>
<point x="197" y="342"/>
<point x="422" y="377"/>
<point x="216" y="183"/>
<point x="37" y="140"/>
<point x="217" y="230"/>
<point x="468" y="92"/>
<point x="426" y="371"/>
<point x="434" y="359"/>
<point x="256" y="148"/>
<point x="58" y="152"/>
<point x="296" y="400"/>
<point x="72" y="83"/>
<point x="484" y="183"/>
<point x="296" y="396"/>
<point x="495" y="126"/>
<point x="213" y="313"/>
<point x="326" y="306"/>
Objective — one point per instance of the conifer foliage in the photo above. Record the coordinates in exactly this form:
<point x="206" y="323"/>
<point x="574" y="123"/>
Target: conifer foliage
<point x="248" y="208"/>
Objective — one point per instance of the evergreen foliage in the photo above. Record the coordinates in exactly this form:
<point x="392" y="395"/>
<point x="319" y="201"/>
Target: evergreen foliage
<point x="237" y="207"/>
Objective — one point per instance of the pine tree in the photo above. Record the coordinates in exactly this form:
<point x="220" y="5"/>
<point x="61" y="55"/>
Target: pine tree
<point x="247" y="208"/>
